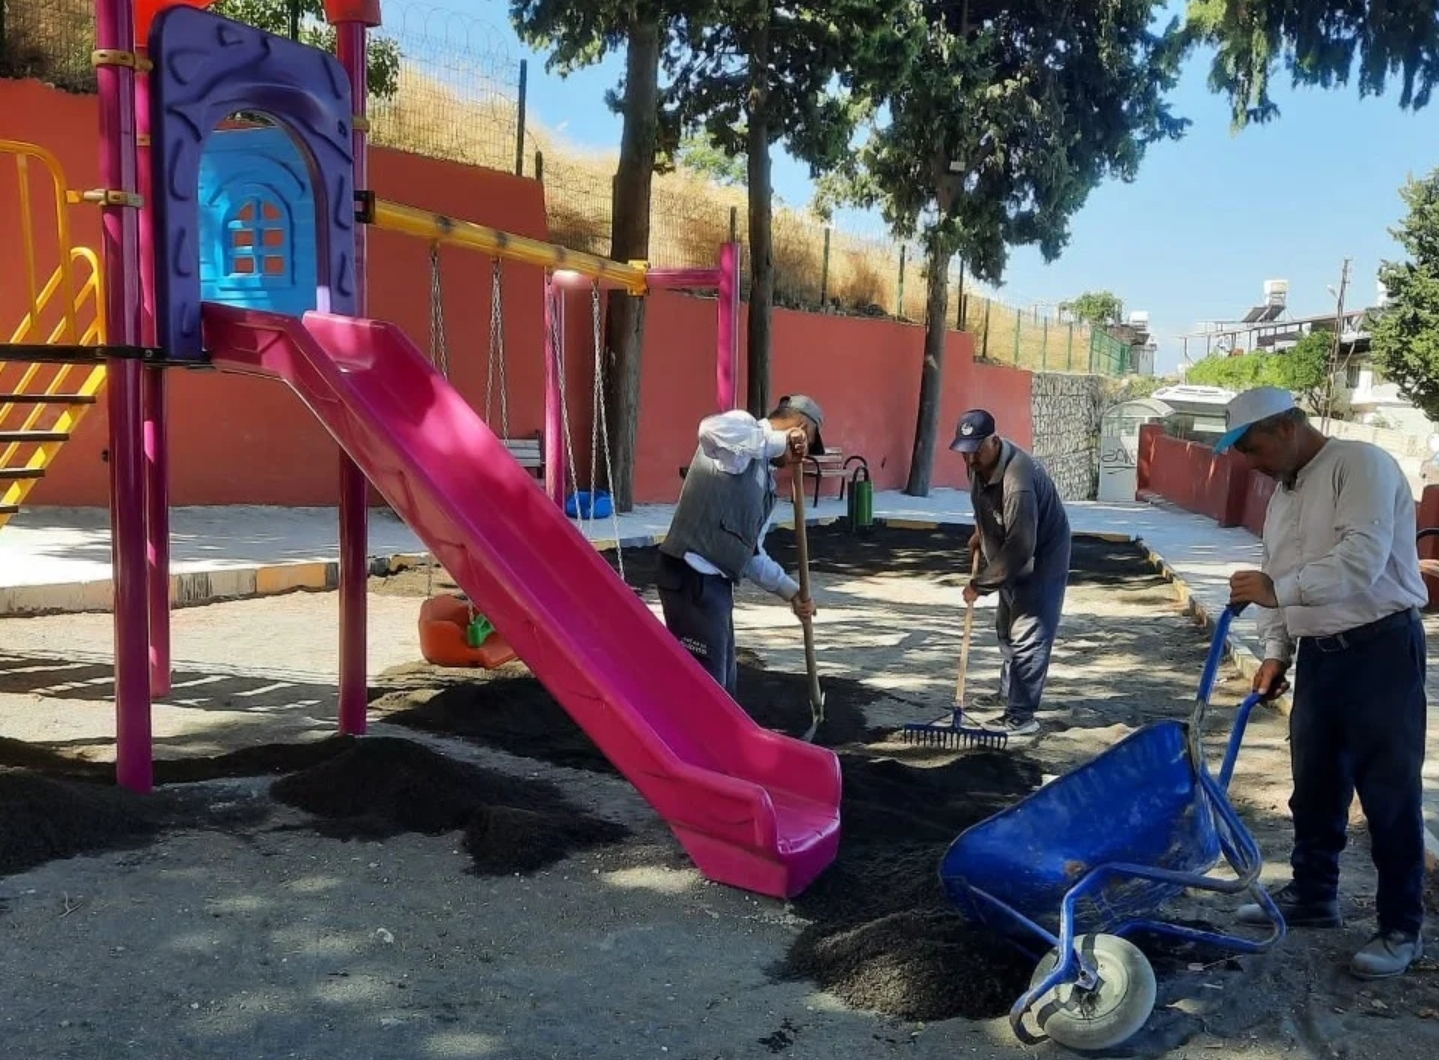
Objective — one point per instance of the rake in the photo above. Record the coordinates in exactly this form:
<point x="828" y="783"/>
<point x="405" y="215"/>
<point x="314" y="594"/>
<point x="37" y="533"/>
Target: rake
<point x="949" y="730"/>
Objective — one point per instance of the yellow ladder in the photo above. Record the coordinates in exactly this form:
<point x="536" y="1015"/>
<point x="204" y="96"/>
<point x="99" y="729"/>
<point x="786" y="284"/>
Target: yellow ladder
<point x="42" y="403"/>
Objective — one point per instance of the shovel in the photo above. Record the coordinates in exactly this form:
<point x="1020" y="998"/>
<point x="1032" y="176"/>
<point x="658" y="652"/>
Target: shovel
<point x="816" y="694"/>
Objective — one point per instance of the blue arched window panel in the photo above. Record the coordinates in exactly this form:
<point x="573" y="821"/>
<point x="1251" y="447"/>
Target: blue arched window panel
<point x="257" y="222"/>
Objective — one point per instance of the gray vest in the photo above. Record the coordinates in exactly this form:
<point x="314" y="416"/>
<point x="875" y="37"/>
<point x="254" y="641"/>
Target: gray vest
<point x="720" y="516"/>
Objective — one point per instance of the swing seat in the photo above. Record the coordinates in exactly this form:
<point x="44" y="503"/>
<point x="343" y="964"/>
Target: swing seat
<point x="443" y="621"/>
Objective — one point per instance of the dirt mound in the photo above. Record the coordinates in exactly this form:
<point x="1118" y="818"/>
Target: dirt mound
<point x="509" y="709"/>
<point x="940" y="553"/>
<point x="883" y="936"/>
<point x="383" y="787"/>
<point x="46" y="818"/>
<point x="915" y="966"/>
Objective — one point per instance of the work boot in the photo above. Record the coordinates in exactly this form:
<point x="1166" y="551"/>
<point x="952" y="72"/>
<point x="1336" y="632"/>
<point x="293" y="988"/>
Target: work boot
<point x="1299" y="912"/>
<point x="1387" y="954"/>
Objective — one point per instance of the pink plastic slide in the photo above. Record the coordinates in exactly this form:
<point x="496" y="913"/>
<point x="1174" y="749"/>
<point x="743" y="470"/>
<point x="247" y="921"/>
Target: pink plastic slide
<point x="753" y="808"/>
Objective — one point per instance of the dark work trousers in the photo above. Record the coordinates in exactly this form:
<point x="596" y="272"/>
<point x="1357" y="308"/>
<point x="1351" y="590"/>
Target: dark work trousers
<point x="1359" y="724"/>
<point x="1027" y="622"/>
<point x="699" y="611"/>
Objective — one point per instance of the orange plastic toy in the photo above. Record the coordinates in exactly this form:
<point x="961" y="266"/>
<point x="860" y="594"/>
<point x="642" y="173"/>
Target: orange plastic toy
<point x="443" y="622"/>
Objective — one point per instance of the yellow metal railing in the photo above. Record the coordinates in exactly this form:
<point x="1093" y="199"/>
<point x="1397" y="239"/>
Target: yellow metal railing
<point x="395" y="217"/>
<point x="25" y="155"/>
<point x="73" y="295"/>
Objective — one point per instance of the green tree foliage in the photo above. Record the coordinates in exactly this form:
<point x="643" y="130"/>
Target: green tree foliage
<point x="755" y="73"/>
<point x="1002" y="116"/>
<point x="1302" y="369"/>
<point x="274" y="16"/>
<point x="577" y="35"/>
<point x="1405" y="333"/>
<point x="1318" y="42"/>
<point x="1100" y="309"/>
<point x="699" y="153"/>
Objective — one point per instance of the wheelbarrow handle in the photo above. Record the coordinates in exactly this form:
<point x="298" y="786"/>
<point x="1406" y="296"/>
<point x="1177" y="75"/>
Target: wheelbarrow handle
<point x="1206" y="689"/>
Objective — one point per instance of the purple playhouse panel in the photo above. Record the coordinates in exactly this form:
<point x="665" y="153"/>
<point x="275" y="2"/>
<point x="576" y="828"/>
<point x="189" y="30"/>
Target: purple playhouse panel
<point x="208" y="68"/>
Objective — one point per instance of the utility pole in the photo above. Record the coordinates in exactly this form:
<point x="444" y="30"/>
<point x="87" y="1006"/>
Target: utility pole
<point x="1334" y="350"/>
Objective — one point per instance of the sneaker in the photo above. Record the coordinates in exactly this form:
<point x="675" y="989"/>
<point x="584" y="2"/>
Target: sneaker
<point x="1013" y="726"/>
<point x="1298" y="912"/>
<point x="1387" y="954"/>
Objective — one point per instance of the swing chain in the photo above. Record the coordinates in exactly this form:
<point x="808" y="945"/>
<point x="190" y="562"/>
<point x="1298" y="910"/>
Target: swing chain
<point x="602" y="429"/>
<point x="439" y="352"/>
<point x="497" y="354"/>
<point x="555" y="351"/>
<point x="439" y="359"/>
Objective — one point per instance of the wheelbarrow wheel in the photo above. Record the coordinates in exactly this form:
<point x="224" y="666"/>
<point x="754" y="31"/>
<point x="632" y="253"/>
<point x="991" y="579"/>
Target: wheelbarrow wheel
<point x="1112" y="1011"/>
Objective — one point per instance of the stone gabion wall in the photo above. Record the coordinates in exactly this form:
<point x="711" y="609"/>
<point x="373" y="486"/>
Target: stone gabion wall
<point x="1065" y="410"/>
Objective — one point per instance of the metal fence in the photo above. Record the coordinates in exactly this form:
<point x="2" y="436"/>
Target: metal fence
<point x="1029" y="338"/>
<point x="451" y="88"/>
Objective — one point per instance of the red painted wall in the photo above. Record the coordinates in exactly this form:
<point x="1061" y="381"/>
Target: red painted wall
<point x="236" y="440"/>
<point x="1225" y="489"/>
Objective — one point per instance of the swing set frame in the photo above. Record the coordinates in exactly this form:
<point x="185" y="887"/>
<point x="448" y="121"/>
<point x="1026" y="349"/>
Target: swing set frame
<point x="565" y="269"/>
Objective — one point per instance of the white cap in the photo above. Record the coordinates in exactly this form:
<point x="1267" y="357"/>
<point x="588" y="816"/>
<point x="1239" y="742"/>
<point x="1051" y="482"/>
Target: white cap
<point x="1248" y="408"/>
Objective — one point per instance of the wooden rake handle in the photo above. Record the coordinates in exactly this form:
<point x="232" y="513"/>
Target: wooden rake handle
<point x="964" y="644"/>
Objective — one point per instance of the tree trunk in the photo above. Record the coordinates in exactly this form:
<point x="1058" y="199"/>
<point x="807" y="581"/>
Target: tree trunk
<point x="931" y="379"/>
<point x="761" y="242"/>
<point x="630" y="240"/>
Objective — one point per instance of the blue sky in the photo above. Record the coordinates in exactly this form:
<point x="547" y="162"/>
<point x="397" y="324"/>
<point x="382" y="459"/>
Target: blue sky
<point x="1194" y="237"/>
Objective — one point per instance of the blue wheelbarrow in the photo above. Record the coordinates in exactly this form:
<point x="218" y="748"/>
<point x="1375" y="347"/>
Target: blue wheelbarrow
<point x="1092" y="856"/>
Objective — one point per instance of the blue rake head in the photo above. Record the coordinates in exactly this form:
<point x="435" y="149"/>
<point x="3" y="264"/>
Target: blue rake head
<point x="951" y="732"/>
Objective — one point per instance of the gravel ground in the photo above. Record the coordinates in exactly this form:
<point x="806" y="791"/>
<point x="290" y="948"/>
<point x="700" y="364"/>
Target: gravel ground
<point x="373" y="906"/>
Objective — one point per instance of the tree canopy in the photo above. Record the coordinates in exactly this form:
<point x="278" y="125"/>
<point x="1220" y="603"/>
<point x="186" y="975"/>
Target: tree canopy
<point x="1099" y="309"/>
<point x="273" y="16"/>
<point x="1318" y="42"/>
<point x="996" y="118"/>
<point x="1303" y="369"/>
<point x="1405" y="333"/>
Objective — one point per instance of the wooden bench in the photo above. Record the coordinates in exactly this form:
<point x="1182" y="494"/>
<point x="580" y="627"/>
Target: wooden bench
<point x="833" y="462"/>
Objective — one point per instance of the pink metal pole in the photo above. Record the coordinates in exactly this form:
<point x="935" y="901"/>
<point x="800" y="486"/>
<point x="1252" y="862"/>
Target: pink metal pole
<point x="683" y="279"/>
<point x="727" y="343"/>
<point x="353" y="49"/>
<point x="152" y="401"/>
<point x="115" y="31"/>
<point x="556" y="473"/>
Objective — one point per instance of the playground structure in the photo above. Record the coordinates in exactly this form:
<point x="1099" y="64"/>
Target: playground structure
<point x="753" y="808"/>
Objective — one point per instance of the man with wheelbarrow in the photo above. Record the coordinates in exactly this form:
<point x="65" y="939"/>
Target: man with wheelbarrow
<point x="1341" y="586"/>
<point x="1023" y="532"/>
<point x="716" y="536"/>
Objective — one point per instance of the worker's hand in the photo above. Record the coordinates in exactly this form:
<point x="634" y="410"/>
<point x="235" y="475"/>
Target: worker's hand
<point x="1252" y="587"/>
<point x="798" y="445"/>
<point x="971" y="594"/>
<point x="1269" y="680"/>
<point x="1429" y="567"/>
<point x="803" y="607"/>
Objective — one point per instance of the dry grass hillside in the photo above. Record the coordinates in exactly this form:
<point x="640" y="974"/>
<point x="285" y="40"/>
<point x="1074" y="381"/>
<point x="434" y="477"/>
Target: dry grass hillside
<point x="458" y="99"/>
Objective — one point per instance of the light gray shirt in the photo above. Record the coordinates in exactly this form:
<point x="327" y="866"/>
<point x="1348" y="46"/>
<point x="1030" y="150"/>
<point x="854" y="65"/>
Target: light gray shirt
<point x="1339" y="544"/>
<point x="739" y="444"/>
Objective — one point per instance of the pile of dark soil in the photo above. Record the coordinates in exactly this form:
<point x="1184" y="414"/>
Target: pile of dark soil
<point x="383" y="787"/>
<point x="940" y="554"/>
<point x="269" y="759"/>
<point x="45" y="818"/>
<point x="509" y="709"/>
<point x="882" y="936"/>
